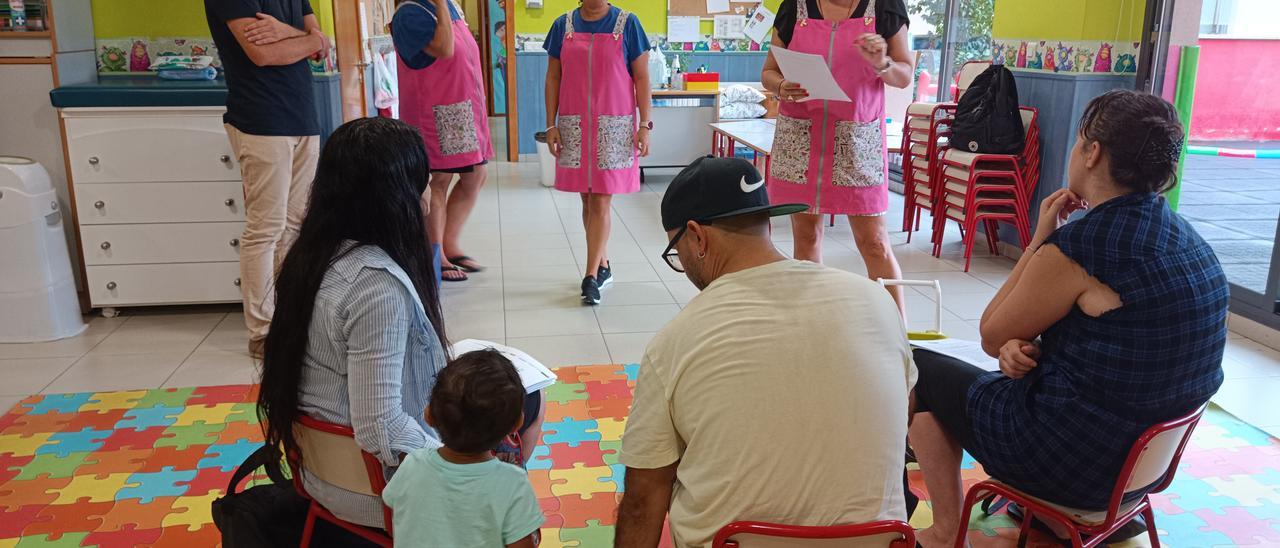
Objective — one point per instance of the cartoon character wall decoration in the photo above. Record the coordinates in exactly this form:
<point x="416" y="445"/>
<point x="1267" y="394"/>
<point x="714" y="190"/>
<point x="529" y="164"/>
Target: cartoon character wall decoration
<point x="1065" y="61"/>
<point x="1050" y="59"/>
<point x="1022" y="56"/>
<point x="113" y="59"/>
<point x="139" y="59"/>
<point x="1102" y="63"/>
<point x="1084" y="60"/>
<point x="1125" y="63"/>
<point x="998" y="50"/>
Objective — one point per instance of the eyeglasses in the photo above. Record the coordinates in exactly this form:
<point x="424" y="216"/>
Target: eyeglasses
<point x="670" y="255"/>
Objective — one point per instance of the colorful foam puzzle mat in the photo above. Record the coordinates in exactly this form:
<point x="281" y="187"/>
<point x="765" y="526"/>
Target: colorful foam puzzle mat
<point x="140" y="468"/>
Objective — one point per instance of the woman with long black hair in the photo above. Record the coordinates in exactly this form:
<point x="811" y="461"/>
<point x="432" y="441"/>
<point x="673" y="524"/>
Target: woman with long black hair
<point x="358" y="334"/>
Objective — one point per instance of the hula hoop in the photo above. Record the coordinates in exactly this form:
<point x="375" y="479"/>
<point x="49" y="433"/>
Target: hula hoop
<point x="1273" y="154"/>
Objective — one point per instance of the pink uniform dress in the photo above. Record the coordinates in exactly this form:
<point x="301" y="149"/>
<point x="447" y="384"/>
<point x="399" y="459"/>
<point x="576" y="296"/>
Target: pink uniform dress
<point x="831" y="154"/>
<point x="446" y="101"/>
<point x="597" y="117"/>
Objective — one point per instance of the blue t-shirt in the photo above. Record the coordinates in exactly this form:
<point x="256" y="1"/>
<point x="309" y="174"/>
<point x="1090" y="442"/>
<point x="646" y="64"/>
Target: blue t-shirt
<point x="635" y="41"/>
<point x="275" y="101"/>
<point x="412" y="28"/>
<point x="435" y="502"/>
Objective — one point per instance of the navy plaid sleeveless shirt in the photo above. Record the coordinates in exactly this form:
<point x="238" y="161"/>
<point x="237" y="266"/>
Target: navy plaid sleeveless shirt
<point x="1063" y="432"/>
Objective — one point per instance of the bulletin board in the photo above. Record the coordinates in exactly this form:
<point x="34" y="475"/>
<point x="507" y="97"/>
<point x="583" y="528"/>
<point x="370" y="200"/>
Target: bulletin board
<point x="698" y="8"/>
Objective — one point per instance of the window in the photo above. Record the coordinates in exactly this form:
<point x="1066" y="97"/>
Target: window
<point x="1240" y="19"/>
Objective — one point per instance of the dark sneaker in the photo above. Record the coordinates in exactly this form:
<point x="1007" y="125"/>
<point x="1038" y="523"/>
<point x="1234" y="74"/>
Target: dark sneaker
<point x="590" y="291"/>
<point x="604" y="277"/>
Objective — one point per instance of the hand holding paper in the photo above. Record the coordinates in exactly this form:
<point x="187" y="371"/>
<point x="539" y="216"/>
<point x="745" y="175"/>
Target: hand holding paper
<point x="811" y="73"/>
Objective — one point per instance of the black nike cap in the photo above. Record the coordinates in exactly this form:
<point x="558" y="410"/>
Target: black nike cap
<point x="714" y="188"/>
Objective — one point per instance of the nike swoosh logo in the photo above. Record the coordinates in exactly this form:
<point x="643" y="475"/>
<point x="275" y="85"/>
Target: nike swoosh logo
<point x="750" y="188"/>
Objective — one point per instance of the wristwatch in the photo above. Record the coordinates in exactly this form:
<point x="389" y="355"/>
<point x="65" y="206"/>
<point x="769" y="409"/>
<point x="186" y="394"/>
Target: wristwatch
<point x="888" y="64"/>
<point x="647" y="125"/>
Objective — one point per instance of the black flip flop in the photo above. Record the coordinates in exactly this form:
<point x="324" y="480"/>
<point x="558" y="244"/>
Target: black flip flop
<point x="454" y="268"/>
<point x="1136" y="526"/>
<point x="473" y="268"/>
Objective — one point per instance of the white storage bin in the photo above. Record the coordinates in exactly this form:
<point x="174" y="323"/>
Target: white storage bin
<point x="37" y="291"/>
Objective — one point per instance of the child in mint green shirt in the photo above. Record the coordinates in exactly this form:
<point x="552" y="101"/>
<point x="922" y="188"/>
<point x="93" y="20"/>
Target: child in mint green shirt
<point x="460" y="495"/>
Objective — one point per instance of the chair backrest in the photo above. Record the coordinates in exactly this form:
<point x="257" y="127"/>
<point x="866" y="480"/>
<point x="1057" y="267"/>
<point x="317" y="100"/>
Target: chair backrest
<point x="879" y="534"/>
<point x="330" y="454"/>
<point x="968" y="72"/>
<point x="1154" y="458"/>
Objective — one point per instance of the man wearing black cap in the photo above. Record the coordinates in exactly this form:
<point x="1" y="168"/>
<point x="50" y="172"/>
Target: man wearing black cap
<point x="778" y="394"/>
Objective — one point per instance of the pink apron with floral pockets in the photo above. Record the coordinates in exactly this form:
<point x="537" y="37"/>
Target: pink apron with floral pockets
<point x="831" y="154"/>
<point x="597" y="117"/>
<point x="446" y="102"/>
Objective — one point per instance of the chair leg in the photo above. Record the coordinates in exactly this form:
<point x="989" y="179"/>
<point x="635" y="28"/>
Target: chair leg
<point x="968" y="241"/>
<point x="308" y="526"/>
<point x="1150" y="516"/>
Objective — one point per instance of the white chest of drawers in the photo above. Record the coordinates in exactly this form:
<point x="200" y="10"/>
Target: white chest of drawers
<point x="159" y="205"/>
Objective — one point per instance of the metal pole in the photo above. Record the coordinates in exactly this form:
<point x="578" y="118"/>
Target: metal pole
<point x="948" y="69"/>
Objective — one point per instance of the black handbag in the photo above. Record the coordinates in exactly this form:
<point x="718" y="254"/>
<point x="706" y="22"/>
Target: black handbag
<point x="266" y="516"/>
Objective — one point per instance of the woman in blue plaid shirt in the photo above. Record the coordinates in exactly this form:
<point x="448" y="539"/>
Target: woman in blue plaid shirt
<point x="1106" y="326"/>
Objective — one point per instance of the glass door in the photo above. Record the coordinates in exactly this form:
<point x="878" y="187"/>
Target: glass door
<point x="956" y="32"/>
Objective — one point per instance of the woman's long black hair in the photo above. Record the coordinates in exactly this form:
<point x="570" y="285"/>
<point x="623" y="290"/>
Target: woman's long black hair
<point x="371" y="176"/>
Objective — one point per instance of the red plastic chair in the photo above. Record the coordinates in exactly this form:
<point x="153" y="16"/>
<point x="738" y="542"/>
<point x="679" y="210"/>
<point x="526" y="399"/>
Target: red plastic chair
<point x="1152" y="462"/>
<point x="333" y="456"/>
<point x="749" y="534"/>
<point x="926" y="131"/>
<point x="978" y="188"/>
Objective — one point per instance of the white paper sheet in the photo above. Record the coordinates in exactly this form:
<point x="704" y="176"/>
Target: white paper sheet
<point x="683" y="29"/>
<point x="969" y="352"/>
<point x="759" y="25"/>
<point x="729" y="26"/>
<point x="717" y="6"/>
<point x="533" y="374"/>
<point x="811" y="72"/>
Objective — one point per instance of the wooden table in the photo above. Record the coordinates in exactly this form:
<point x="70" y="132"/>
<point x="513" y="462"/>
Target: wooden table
<point x="756" y="135"/>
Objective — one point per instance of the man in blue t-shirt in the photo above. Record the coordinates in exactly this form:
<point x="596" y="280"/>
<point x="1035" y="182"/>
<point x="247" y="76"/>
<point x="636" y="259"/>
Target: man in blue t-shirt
<point x="274" y="130"/>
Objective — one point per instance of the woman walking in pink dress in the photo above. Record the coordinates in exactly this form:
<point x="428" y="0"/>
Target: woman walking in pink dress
<point x="592" y="114"/>
<point x="831" y="154"/>
<point x="442" y="94"/>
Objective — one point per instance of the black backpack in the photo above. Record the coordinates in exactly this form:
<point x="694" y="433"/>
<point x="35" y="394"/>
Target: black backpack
<point x="988" y="119"/>
<point x="264" y="516"/>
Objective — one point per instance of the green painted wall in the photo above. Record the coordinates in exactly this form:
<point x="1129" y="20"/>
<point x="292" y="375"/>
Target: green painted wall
<point x="1119" y="20"/>
<point x="165" y="18"/>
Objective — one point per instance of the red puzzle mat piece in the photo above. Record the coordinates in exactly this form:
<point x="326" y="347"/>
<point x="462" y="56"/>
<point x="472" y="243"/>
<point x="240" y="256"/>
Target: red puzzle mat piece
<point x="60" y="518"/>
<point x="179" y="536"/>
<point x="131" y="512"/>
<point x="213" y="395"/>
<point x="13" y="520"/>
<point x="114" y="462"/>
<point x="103" y="420"/>
<point x="179" y="459"/>
<point x="129" y="438"/>
<point x="128" y="537"/>
<point x="31" y="492"/>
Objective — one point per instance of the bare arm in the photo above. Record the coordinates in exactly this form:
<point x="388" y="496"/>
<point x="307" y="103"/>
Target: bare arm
<point x="311" y="24"/>
<point x="644" y="506"/>
<point x="644" y="100"/>
<point x="553" y="105"/>
<point x="441" y="45"/>
<point x="771" y="76"/>
<point x="283" y="52"/>
<point x="1047" y="288"/>
<point x="903" y="70"/>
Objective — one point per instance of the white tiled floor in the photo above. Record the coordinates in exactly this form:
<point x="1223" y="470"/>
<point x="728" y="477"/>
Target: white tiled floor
<point x="532" y="240"/>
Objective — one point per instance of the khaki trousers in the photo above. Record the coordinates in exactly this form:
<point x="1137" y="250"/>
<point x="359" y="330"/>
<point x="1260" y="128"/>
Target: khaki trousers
<point x="277" y="174"/>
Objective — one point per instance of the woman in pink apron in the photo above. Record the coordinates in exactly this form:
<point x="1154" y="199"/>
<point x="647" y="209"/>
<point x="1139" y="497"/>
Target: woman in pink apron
<point x="591" y="110"/>
<point x="442" y="94"/>
<point x="831" y="154"/>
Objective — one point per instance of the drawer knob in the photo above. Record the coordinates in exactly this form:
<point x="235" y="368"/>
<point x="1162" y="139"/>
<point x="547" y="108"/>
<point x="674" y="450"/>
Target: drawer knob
<point x="225" y="159"/>
<point x="235" y="242"/>
<point x="105" y="245"/>
<point x="93" y="160"/>
<point x="229" y="202"/>
<point x="99" y="204"/>
<point x="111" y="286"/>
<point x="237" y="282"/>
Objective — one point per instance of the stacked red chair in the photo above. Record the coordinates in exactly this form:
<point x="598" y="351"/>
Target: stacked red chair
<point x="924" y="138"/>
<point x="986" y="189"/>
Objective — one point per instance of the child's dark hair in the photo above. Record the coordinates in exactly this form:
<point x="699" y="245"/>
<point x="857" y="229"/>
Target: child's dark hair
<point x="1141" y="136"/>
<point x="477" y="401"/>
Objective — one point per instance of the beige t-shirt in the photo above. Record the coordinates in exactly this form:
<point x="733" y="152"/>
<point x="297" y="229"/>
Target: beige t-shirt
<point x="782" y="390"/>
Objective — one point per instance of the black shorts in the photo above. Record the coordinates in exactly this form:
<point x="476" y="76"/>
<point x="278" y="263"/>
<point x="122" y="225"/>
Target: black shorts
<point x="460" y="170"/>
<point x="942" y="388"/>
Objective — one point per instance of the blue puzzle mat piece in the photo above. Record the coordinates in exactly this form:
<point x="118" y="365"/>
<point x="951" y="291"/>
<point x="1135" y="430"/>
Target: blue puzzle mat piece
<point x="632" y="370"/>
<point x="619" y="476"/>
<point x="142" y="418"/>
<point x="60" y="403"/>
<point x="569" y="431"/>
<point x="1183" y="530"/>
<point x="228" y="456"/>
<point x="157" y="484"/>
<point x="540" y="459"/>
<point x="63" y="444"/>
